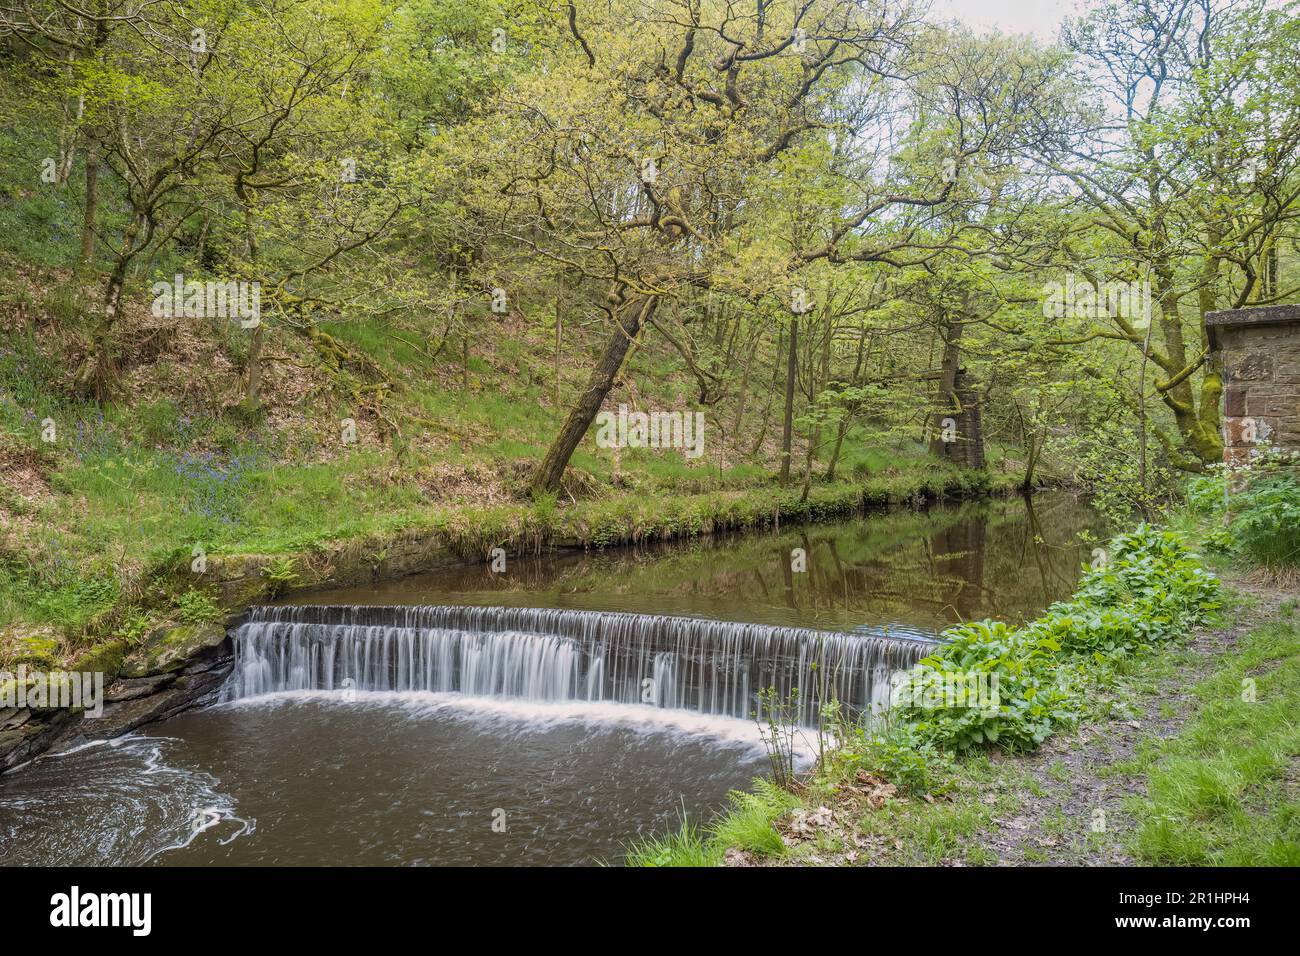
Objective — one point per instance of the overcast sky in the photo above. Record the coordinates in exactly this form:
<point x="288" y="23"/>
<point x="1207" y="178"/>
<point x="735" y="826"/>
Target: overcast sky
<point x="1042" y="18"/>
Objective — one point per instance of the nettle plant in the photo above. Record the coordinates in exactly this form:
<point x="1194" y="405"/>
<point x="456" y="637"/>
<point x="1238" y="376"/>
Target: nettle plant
<point x="1263" y="499"/>
<point x="1150" y="592"/>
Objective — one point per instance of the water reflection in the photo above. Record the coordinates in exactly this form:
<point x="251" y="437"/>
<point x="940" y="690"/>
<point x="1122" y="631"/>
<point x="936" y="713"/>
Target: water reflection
<point x="920" y="570"/>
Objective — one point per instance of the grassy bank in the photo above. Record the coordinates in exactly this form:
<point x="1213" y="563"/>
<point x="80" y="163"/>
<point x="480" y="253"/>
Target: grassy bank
<point x="1225" y="791"/>
<point x="394" y="458"/>
<point x="1176" y="745"/>
<point x="117" y="558"/>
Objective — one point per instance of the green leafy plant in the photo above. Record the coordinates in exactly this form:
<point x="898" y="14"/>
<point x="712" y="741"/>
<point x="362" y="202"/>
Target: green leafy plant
<point x="197" y="607"/>
<point x="1267" y="523"/>
<point x="1150" y="591"/>
<point x="281" y="574"/>
<point x="1030" y="691"/>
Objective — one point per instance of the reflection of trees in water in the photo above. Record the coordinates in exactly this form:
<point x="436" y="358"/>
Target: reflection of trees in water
<point x="1006" y="559"/>
<point x="957" y="565"/>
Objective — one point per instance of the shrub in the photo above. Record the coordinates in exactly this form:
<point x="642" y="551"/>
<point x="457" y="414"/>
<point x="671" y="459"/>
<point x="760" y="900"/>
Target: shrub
<point x="1030" y="691"/>
<point x="1267" y="525"/>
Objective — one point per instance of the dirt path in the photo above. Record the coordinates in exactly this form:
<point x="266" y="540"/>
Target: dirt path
<point x="1071" y="806"/>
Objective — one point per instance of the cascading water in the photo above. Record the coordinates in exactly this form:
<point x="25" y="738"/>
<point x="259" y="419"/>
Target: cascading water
<point x="710" y="667"/>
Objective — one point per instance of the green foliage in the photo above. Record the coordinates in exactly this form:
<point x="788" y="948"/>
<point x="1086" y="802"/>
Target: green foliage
<point x="281" y="574"/>
<point x="991" y="684"/>
<point x="1267" y="524"/>
<point x="198" y="607"/>
<point x="1149" y="591"/>
<point x="58" y="594"/>
<point x="685" y="847"/>
<point x="1205" y="493"/>
<point x="749" y="822"/>
<point x="135" y="626"/>
<point x="899" y="752"/>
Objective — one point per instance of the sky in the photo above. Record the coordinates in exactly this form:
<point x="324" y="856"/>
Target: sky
<point x="1042" y="18"/>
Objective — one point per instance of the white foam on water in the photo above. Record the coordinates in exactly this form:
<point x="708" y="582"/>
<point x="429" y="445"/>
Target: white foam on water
<point x="124" y="805"/>
<point x="529" y="716"/>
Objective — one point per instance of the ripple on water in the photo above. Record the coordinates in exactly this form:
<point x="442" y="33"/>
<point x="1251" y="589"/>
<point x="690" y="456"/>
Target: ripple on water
<point x="109" y="802"/>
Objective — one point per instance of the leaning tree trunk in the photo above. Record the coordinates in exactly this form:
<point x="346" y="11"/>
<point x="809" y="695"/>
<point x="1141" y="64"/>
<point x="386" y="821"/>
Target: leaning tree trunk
<point x="628" y="323"/>
<point x="96" y="369"/>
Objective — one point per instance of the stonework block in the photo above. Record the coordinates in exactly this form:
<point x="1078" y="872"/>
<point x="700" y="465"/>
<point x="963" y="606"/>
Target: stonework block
<point x="1236" y="457"/>
<point x="1258" y="350"/>
<point x="1286" y="366"/>
<point x="1249" y="431"/>
<point x="1271" y="403"/>
<point x="1248" y="367"/>
<point x="1232" y="433"/>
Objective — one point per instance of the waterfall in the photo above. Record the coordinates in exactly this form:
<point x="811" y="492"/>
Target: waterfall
<point x="711" y="667"/>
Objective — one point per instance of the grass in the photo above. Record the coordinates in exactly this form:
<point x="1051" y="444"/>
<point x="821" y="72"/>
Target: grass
<point x="687" y="846"/>
<point x="747" y="825"/>
<point x="1226" y="790"/>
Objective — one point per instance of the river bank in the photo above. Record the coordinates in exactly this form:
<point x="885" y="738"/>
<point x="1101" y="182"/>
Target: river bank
<point x="1183" y="755"/>
<point x="1182" y="772"/>
<point x="162" y="647"/>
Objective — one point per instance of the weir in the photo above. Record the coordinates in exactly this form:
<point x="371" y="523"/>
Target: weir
<point x="706" y="666"/>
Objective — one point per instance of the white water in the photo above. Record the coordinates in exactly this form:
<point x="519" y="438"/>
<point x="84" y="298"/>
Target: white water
<point x="533" y="654"/>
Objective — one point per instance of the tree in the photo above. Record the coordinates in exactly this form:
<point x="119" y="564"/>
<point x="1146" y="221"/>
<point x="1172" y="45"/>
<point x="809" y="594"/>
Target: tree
<point x="1190" y="93"/>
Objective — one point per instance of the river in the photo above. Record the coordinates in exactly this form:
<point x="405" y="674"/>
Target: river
<point x="437" y="720"/>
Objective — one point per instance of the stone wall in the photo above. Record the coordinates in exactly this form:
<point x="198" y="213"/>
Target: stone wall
<point x="1259" y="352"/>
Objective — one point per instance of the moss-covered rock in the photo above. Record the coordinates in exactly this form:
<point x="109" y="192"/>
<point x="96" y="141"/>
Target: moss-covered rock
<point x="171" y="647"/>
<point x="105" y="658"/>
<point x="39" y="648"/>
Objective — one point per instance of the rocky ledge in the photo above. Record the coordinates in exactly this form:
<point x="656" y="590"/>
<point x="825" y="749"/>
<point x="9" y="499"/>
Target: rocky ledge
<point x="176" y="667"/>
